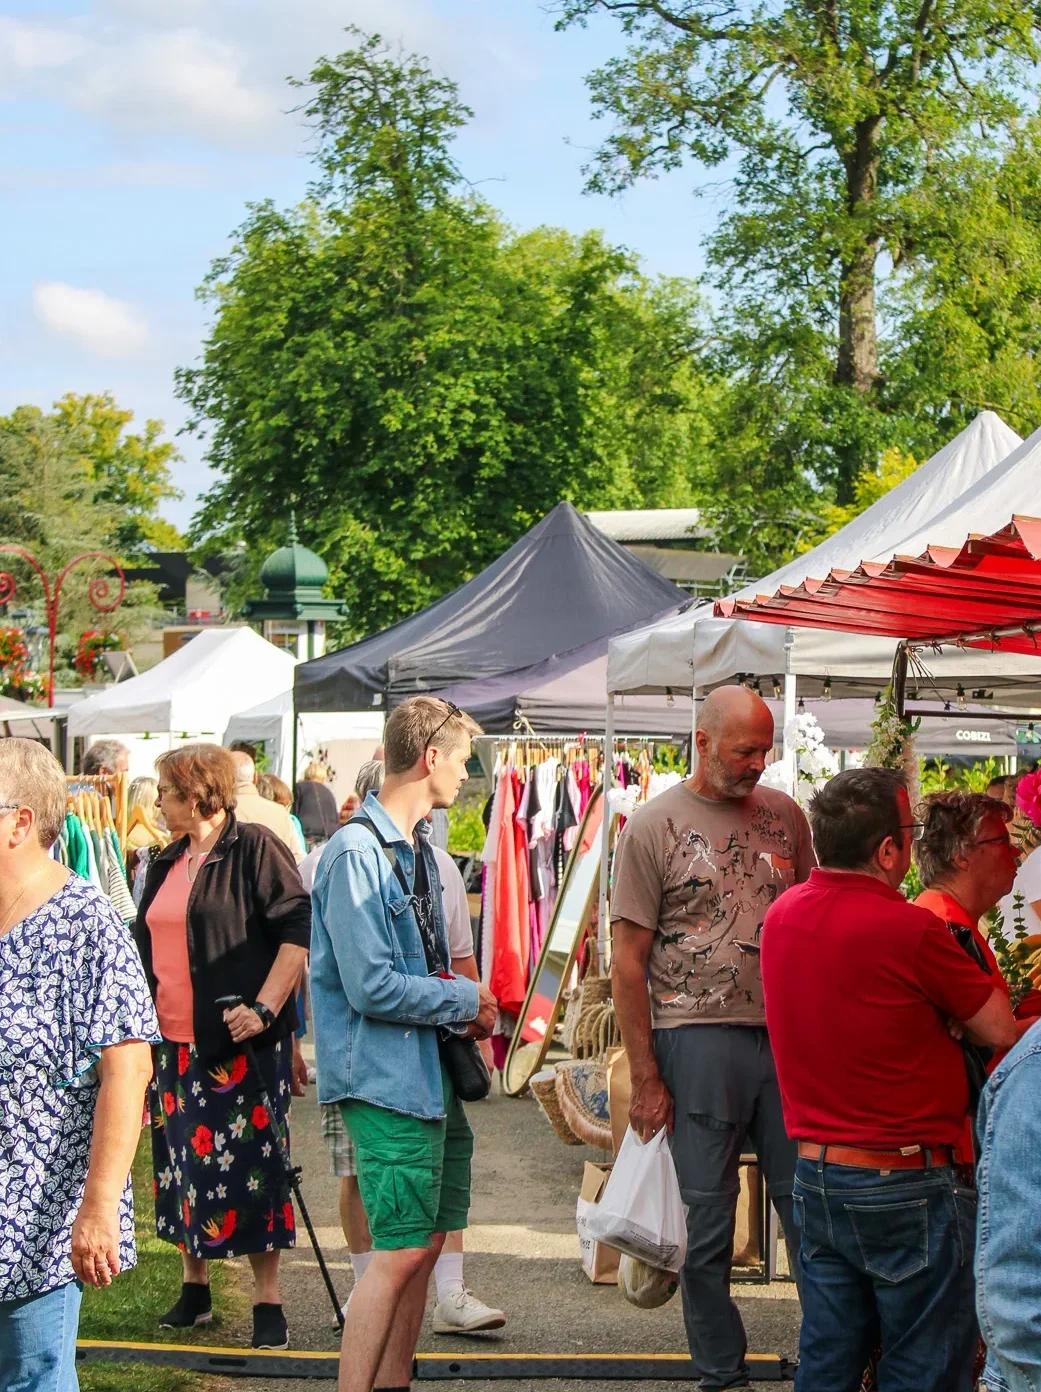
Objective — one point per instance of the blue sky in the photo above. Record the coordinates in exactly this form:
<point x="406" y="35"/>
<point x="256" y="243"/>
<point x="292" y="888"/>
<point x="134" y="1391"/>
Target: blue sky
<point x="133" y="132"/>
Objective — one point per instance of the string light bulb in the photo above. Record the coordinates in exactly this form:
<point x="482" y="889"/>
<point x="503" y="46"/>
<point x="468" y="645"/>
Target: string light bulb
<point x="961" y="697"/>
<point x="826" y="691"/>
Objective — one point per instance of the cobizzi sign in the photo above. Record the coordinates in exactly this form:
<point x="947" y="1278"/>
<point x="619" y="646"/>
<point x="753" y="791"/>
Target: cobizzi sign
<point x="973" y="736"/>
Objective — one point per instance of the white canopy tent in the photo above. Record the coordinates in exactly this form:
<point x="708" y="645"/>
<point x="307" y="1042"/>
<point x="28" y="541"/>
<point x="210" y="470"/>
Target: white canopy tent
<point x="699" y="649"/>
<point x="272" y="722"/>
<point x="195" y="691"/>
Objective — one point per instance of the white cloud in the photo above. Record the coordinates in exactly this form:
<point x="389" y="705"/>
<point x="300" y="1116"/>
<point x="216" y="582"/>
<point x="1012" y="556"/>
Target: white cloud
<point x="103" y="325"/>
<point x="181" y="79"/>
<point x="194" y="67"/>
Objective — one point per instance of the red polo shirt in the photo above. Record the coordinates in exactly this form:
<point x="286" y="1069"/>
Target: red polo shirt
<point x="859" y="984"/>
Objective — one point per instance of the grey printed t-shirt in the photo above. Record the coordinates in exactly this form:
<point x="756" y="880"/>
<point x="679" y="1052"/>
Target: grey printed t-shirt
<point x="701" y="873"/>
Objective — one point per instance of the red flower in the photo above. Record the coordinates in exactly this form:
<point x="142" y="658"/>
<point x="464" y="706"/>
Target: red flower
<point x="186" y="1213"/>
<point x="260" y="1117"/>
<point x="288" y="1217"/>
<point x="182" y="1060"/>
<point x="271" y="1220"/>
<point x="168" y="1103"/>
<point x="155" y="1188"/>
<point x="202" y="1141"/>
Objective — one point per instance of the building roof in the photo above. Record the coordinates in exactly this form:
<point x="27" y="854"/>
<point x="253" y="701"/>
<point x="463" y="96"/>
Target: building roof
<point x="650" y="524"/>
<point x="686" y="567"/>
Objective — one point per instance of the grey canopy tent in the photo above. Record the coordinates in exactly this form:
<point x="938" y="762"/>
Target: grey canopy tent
<point x="564" y="584"/>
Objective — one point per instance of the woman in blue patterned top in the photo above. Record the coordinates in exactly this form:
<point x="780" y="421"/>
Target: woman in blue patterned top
<point x="75" y="1028"/>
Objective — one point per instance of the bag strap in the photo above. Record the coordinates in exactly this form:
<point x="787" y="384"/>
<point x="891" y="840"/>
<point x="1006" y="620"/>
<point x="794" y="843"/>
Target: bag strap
<point x="359" y="819"/>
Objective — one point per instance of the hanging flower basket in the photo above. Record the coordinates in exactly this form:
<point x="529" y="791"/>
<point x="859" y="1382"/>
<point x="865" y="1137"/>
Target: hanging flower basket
<point x="92" y="646"/>
<point x="17" y="678"/>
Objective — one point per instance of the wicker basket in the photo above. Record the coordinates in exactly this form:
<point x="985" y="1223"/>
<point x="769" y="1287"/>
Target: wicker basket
<point x="584" y="1005"/>
<point x="543" y="1085"/>
<point x="581" y="1088"/>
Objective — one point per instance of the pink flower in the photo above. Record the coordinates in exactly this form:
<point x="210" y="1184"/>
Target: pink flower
<point x="1028" y="797"/>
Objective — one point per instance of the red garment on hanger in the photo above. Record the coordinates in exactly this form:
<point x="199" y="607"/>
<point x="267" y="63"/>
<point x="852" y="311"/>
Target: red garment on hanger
<point x="509" y="975"/>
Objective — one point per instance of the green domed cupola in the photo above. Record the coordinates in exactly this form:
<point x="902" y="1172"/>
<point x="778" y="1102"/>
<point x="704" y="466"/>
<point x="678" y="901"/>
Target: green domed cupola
<point x="293" y="611"/>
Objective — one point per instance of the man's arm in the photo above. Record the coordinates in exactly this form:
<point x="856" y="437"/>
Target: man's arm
<point x="125" y="1070"/>
<point x="349" y="899"/>
<point x="994" y="1025"/>
<point x="1009" y="1275"/>
<point x="651" y="1105"/>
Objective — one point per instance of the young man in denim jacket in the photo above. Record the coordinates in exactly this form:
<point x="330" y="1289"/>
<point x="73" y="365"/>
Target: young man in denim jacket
<point x="1008" y="1272"/>
<point x="377" y="1010"/>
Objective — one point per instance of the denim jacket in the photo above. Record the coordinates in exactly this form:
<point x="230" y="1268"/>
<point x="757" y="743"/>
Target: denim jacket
<point x="374" y="1004"/>
<point x="1008" y="1248"/>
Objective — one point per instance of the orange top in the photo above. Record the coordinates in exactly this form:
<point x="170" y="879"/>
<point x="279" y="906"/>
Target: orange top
<point x="943" y="906"/>
<point x="167" y="920"/>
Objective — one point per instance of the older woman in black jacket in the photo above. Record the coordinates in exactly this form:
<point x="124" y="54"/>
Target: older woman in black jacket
<point x="223" y="913"/>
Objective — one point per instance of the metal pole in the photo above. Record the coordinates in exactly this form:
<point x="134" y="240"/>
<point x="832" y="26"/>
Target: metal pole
<point x="605" y="836"/>
<point x="790" y="695"/>
<point x="292" y="771"/>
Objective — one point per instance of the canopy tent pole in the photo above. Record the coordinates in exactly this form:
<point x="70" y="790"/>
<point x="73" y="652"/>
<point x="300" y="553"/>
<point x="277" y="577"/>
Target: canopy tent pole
<point x="605" y="835"/>
<point x="296" y="722"/>
<point x="693" y="760"/>
<point x="788" y="753"/>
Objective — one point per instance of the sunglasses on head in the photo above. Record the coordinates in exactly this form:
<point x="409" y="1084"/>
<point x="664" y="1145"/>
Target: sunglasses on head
<point x="453" y="711"/>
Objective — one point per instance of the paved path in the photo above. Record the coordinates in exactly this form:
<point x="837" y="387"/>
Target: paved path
<point x="521" y="1255"/>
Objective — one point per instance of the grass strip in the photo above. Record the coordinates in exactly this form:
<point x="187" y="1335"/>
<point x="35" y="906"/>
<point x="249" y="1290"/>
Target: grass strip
<point x="128" y="1309"/>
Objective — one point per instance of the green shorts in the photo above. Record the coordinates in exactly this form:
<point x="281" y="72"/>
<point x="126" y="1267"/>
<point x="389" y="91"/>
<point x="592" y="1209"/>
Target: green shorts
<point x="414" y="1176"/>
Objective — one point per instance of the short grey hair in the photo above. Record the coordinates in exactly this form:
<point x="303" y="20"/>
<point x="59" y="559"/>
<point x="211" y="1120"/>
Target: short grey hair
<point x="102" y="755"/>
<point x="370" y="778"/>
<point x="30" y="776"/>
<point x="245" y="769"/>
<point x="950" y="824"/>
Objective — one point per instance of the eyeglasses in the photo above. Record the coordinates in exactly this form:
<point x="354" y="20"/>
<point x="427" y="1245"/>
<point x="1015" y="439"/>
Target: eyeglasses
<point x="453" y="711"/>
<point x="917" y="829"/>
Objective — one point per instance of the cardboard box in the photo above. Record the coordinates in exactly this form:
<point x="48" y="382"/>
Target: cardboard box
<point x="598" y="1262"/>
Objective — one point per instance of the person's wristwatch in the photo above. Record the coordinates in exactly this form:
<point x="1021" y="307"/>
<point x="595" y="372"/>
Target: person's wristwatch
<point x="267" y="1017"/>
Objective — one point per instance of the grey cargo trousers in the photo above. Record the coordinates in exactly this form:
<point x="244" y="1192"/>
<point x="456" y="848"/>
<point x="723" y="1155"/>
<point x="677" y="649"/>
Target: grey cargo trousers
<point x="724" y="1084"/>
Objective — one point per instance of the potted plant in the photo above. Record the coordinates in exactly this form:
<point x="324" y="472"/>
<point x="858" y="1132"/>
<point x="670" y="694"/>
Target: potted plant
<point x="93" y="644"/>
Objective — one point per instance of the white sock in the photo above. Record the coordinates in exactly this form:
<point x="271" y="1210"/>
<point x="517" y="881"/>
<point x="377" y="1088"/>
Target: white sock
<point x="448" y="1274"/>
<point x="359" y="1261"/>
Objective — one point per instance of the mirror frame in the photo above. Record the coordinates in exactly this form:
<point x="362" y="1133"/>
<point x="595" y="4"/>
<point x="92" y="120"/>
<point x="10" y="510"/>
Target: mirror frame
<point x="516" y="1043"/>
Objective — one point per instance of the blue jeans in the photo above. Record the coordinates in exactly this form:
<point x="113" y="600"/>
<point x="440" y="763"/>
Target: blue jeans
<point x="38" y="1341"/>
<point x="885" y="1258"/>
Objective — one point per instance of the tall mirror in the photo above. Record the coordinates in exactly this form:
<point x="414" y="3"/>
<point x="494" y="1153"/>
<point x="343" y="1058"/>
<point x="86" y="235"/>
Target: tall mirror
<point x="573" y="914"/>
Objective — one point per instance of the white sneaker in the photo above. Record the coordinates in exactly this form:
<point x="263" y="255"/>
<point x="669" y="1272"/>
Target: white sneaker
<point x="462" y="1313"/>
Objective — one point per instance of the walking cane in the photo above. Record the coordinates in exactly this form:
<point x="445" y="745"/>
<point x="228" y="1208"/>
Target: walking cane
<point x="292" y="1172"/>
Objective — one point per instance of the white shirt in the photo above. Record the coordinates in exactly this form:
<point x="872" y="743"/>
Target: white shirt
<point x="1028" y="883"/>
<point x="453" y="890"/>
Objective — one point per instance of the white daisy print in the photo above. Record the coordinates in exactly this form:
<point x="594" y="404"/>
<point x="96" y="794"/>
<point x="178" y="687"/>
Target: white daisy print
<point x="238" y="1126"/>
<point x="226" y="1160"/>
<point x="219" y="1140"/>
<point x="222" y="1191"/>
<point x="265" y="1149"/>
<point x="165" y="1178"/>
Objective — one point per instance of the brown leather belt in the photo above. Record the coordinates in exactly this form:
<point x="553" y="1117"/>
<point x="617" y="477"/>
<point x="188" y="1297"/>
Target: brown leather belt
<point x="910" y="1158"/>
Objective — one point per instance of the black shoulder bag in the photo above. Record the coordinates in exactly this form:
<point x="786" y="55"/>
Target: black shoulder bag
<point x="975" y="1056"/>
<point x="462" y="1059"/>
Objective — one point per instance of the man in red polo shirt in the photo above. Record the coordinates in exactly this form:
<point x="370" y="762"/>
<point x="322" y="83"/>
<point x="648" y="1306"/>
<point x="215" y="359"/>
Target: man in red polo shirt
<point x="862" y="990"/>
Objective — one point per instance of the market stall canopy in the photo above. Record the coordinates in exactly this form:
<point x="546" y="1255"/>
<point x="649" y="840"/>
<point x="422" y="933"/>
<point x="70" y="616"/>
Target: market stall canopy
<point x="196" y="689"/>
<point x="563" y="584"/>
<point x="705" y="647"/>
<point x="26" y="722"/>
<point x="272" y="722"/>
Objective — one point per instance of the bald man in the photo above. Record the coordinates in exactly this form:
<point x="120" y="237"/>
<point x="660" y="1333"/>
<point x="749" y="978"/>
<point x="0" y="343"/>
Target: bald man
<point x="695" y="872"/>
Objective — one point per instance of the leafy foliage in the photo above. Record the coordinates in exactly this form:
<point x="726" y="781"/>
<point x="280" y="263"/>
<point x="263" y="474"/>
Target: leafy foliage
<point x="422" y="381"/>
<point x="52" y="504"/>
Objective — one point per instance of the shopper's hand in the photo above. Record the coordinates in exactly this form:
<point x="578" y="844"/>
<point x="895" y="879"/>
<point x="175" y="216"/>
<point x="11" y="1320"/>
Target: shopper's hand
<point x="955" y="1029"/>
<point x="95" y="1245"/>
<point x="243" y="1023"/>
<point x="299" y="1071"/>
<point x="650" y="1107"/>
<point x="487" y="1014"/>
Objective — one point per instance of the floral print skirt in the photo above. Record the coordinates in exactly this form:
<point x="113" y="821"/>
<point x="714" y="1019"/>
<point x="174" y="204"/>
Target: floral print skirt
<point x="219" y="1185"/>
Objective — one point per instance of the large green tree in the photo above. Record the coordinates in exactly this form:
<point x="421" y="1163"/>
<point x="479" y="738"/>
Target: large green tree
<point x="843" y="120"/>
<point x="422" y="382"/>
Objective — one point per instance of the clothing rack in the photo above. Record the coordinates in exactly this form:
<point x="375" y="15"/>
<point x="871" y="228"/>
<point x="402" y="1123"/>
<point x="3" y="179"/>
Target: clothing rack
<point x="100" y="800"/>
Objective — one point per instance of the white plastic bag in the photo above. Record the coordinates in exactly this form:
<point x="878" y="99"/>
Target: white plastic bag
<point x="640" y="1211"/>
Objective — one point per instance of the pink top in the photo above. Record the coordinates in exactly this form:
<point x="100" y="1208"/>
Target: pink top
<point x="167" y="920"/>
